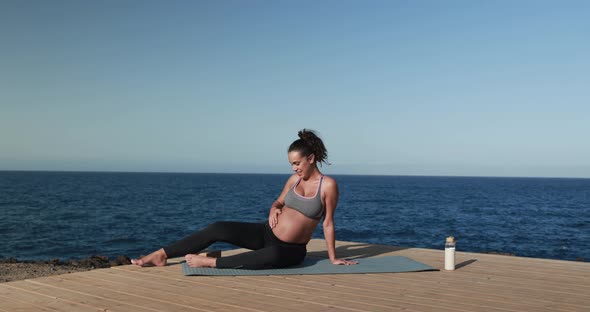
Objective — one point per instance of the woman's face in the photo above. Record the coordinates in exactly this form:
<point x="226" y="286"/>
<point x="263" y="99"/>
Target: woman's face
<point x="301" y="165"/>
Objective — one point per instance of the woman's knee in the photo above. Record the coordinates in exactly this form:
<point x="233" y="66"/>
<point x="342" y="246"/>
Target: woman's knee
<point x="219" y="230"/>
<point x="213" y="227"/>
<point x="216" y="226"/>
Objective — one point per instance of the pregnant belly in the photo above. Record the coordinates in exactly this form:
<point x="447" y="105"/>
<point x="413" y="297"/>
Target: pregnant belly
<point x="294" y="227"/>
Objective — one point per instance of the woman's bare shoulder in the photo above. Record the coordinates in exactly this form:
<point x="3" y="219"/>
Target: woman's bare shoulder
<point x="292" y="180"/>
<point x="329" y="182"/>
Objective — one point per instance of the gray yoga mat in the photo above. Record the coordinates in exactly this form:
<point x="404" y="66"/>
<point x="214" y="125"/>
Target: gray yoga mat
<point x="387" y="264"/>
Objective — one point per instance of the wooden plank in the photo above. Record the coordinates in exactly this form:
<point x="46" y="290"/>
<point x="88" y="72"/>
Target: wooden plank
<point x="166" y="290"/>
<point x="490" y="283"/>
<point x="434" y="254"/>
<point x="480" y="276"/>
<point x="575" y="268"/>
<point x="340" y="302"/>
<point x="226" y="289"/>
<point x="364" y="293"/>
<point x="246" y="283"/>
<point x="567" y="271"/>
<point x="533" y="271"/>
<point x="437" y="293"/>
<point x="508" y="282"/>
<point x="216" y="282"/>
<point x="28" y="297"/>
<point x="49" y="287"/>
<point x="483" y="295"/>
<point x="473" y="285"/>
<point x="9" y="304"/>
<point x="130" y="296"/>
<point x="515" y="281"/>
<point x="500" y="260"/>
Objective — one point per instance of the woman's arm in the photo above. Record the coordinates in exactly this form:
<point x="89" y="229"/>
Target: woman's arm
<point x="275" y="209"/>
<point x="330" y="188"/>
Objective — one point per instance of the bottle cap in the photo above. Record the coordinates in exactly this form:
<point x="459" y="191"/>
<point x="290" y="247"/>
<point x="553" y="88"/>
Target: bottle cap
<point x="450" y="239"/>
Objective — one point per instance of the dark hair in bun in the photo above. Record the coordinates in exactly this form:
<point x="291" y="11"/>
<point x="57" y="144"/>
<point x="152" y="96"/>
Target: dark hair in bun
<point x="309" y="143"/>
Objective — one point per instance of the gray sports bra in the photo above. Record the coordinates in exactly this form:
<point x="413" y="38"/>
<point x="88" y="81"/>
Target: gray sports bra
<point x="310" y="207"/>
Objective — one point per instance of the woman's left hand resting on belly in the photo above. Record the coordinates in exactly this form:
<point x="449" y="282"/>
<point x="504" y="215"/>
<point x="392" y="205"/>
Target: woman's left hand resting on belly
<point x="273" y="216"/>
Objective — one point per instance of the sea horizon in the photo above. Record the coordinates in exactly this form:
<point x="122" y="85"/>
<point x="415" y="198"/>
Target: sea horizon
<point x="278" y="173"/>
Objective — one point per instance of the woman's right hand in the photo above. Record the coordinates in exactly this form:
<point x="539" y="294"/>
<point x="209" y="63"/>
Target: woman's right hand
<point x="273" y="217"/>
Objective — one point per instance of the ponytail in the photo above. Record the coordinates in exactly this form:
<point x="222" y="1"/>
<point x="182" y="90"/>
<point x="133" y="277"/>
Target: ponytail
<point x="309" y="143"/>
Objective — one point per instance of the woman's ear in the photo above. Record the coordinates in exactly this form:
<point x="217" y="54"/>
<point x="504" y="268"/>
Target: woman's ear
<point x="311" y="158"/>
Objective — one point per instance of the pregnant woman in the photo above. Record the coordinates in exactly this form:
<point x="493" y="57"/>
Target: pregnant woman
<point x="308" y="196"/>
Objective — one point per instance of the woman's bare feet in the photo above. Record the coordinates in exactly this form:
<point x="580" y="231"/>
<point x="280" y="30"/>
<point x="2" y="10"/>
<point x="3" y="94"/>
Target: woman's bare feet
<point x="197" y="261"/>
<point x="156" y="258"/>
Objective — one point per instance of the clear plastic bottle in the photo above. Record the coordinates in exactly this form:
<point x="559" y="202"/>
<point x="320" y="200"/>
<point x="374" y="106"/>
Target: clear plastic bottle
<point x="450" y="253"/>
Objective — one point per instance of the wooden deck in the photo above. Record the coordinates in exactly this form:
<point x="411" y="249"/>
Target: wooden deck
<point x="481" y="282"/>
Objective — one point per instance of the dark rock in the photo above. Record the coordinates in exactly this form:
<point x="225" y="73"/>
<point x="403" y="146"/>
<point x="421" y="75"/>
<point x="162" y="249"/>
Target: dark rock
<point x="121" y="260"/>
<point x="95" y="262"/>
<point x="9" y="260"/>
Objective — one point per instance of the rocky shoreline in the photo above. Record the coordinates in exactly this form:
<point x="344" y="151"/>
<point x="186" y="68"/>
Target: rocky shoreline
<point x="11" y="269"/>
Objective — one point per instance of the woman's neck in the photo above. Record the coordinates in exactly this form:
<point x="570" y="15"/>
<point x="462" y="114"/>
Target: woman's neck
<point x="315" y="174"/>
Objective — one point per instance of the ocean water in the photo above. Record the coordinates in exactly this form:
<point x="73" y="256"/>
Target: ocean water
<point x="45" y="215"/>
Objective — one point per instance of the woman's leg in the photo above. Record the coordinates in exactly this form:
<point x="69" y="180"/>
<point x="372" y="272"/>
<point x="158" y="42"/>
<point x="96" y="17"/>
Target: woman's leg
<point x="241" y="234"/>
<point x="275" y="256"/>
<point x="157" y="258"/>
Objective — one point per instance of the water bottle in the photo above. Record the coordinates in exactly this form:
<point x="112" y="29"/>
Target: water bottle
<point x="450" y="253"/>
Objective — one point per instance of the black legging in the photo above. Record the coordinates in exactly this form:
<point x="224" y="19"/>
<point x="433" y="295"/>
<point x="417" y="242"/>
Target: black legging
<point x="267" y="250"/>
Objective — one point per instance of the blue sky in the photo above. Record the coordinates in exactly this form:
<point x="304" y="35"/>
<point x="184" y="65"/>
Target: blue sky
<point x="476" y="88"/>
